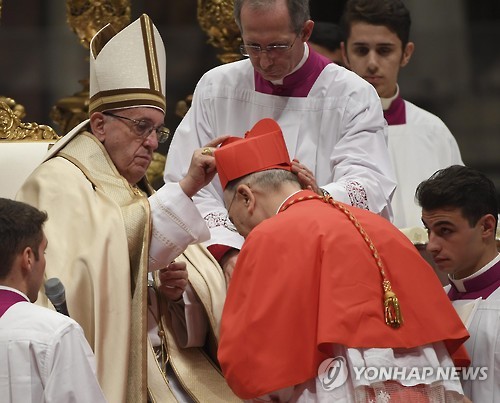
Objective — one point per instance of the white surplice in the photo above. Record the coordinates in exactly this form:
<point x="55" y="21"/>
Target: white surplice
<point x="337" y="131"/>
<point x="418" y="148"/>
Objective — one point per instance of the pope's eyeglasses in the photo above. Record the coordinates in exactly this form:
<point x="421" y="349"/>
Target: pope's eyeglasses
<point x="144" y="128"/>
<point x="271" y="50"/>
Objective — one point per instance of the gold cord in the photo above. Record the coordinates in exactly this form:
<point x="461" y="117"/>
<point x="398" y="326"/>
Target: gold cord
<point x="392" y="311"/>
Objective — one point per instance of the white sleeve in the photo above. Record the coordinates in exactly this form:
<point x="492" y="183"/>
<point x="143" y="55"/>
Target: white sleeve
<point x="177" y="223"/>
<point x="363" y="173"/>
<point x="70" y="370"/>
<point x="208" y="200"/>
<point x="455" y="157"/>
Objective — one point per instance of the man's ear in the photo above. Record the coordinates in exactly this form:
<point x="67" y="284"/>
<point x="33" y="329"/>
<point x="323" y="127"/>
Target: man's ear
<point x="307" y="30"/>
<point x="343" y="47"/>
<point x="407" y="52"/>
<point x="248" y="196"/>
<point x="27" y="259"/>
<point x="488" y="225"/>
<point x="97" y="126"/>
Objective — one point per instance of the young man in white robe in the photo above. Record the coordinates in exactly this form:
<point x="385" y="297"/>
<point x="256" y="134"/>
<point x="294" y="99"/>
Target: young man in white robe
<point x="44" y="354"/>
<point x="376" y="47"/>
<point x="460" y="212"/>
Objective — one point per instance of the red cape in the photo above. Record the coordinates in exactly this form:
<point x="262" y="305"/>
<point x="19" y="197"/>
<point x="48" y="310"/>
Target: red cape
<point x="305" y="279"/>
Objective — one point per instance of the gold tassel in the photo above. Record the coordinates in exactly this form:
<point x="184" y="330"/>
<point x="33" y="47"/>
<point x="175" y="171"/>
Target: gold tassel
<point x="393" y="316"/>
<point x="392" y="311"/>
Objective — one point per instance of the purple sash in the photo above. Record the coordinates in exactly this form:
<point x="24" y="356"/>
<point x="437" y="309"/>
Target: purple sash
<point x="480" y="286"/>
<point x="7" y="299"/>
<point x="396" y="114"/>
<point x="297" y="84"/>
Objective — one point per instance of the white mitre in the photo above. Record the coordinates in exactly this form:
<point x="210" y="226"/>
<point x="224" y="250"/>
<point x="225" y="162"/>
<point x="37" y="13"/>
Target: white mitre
<point x="127" y="68"/>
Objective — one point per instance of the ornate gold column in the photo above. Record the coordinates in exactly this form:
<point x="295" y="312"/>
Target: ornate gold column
<point x="216" y="19"/>
<point x="11" y="125"/>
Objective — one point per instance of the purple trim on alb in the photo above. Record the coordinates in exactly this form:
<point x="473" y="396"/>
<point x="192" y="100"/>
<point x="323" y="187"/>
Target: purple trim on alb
<point x="481" y="286"/>
<point x="297" y="84"/>
<point x="396" y="114"/>
<point x="7" y="299"/>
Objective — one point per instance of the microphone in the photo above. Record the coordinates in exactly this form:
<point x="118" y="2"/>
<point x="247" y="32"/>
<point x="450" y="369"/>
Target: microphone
<point x="54" y="290"/>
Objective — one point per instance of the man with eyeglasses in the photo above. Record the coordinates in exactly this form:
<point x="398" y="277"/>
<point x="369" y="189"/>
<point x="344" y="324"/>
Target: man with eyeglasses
<point x="331" y="119"/>
<point x="106" y="236"/>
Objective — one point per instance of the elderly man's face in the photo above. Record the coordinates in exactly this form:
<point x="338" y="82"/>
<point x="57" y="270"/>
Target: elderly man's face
<point x="122" y="139"/>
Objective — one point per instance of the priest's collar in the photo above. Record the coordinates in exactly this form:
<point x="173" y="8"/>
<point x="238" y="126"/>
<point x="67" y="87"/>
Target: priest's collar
<point x="300" y="81"/>
<point x="301" y="63"/>
<point x="288" y="198"/>
<point x="394" y="109"/>
<point x="478" y="280"/>
<point x="15" y="290"/>
<point x="386" y="102"/>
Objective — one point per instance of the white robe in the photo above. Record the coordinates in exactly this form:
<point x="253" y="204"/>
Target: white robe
<point x="484" y="349"/>
<point x="366" y="371"/>
<point x="483" y="345"/>
<point x="418" y="149"/>
<point x="45" y="357"/>
<point x="176" y="224"/>
<point x="338" y="131"/>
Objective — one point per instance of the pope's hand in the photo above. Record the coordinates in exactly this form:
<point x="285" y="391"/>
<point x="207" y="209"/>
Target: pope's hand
<point x="202" y="168"/>
<point x="173" y="280"/>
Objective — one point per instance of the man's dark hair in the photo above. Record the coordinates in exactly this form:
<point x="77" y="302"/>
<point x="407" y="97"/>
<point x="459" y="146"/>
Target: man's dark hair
<point x="459" y="187"/>
<point x="326" y="34"/>
<point x="390" y="13"/>
<point x="21" y="226"/>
